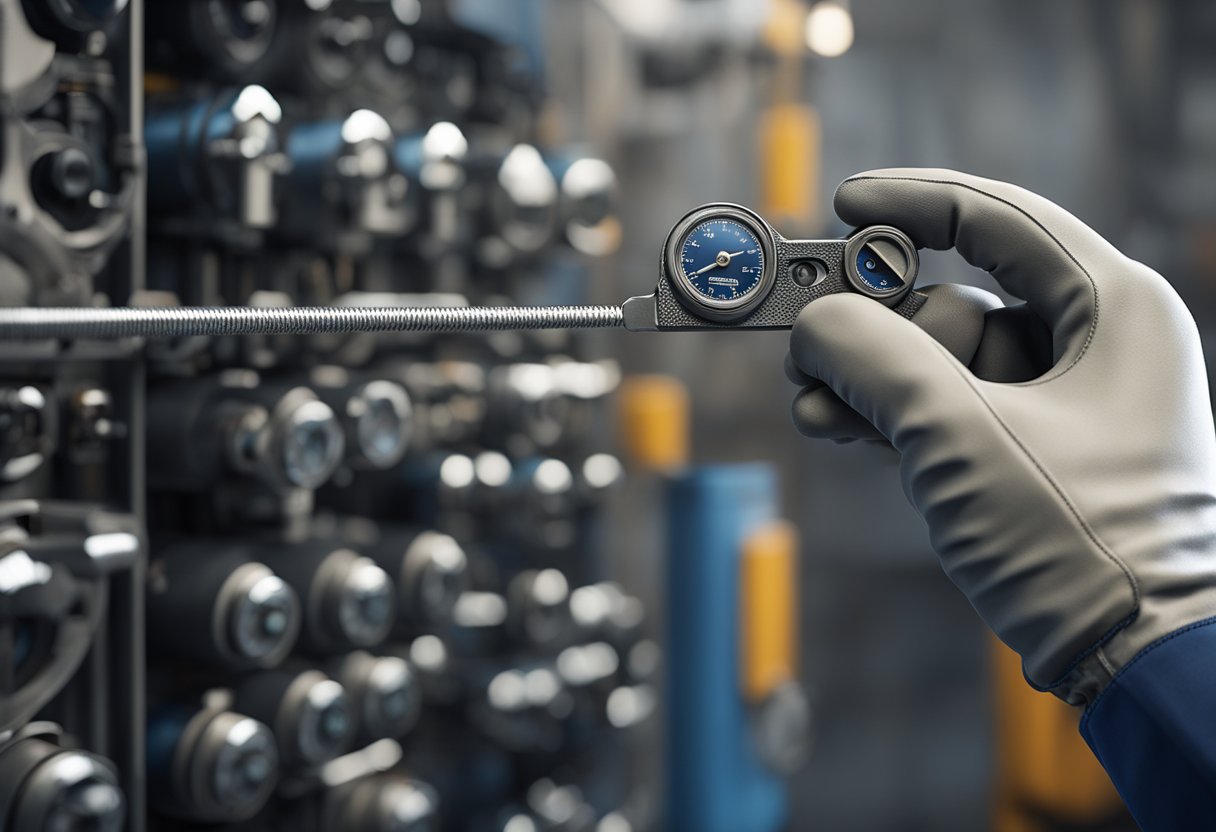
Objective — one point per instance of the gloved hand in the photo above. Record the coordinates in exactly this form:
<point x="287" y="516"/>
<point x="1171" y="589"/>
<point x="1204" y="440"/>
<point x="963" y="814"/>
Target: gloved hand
<point x="1075" y="509"/>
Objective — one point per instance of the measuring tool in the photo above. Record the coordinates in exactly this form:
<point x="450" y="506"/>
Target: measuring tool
<point x="723" y="267"/>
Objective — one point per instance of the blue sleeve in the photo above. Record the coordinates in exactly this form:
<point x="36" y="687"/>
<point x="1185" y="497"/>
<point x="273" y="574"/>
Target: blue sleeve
<point x="1154" y="730"/>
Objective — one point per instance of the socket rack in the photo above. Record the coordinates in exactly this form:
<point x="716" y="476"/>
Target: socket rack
<point x="295" y="584"/>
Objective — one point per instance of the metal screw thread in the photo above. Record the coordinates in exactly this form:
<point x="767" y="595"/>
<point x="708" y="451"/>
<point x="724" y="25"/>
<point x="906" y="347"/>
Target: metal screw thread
<point x="181" y="322"/>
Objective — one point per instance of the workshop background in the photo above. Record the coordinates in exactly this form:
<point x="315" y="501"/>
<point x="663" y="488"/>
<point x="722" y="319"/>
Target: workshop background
<point x="519" y="583"/>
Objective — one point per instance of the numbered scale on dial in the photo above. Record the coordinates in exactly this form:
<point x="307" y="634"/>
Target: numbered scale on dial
<point x="722" y="259"/>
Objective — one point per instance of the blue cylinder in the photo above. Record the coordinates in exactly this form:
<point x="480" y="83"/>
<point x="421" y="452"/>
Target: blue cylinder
<point x="715" y="781"/>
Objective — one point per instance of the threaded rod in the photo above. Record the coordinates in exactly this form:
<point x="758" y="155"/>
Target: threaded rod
<point x="179" y="322"/>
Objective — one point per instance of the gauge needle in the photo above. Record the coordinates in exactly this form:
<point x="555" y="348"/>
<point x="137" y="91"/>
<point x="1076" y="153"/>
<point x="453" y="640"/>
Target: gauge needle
<point x="723" y="259"/>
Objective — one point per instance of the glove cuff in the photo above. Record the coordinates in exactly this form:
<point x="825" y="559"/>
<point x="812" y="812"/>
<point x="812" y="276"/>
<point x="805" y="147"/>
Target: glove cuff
<point x="1085" y="681"/>
<point x="1155" y="619"/>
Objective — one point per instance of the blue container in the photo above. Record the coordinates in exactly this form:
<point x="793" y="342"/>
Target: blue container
<point x="715" y="781"/>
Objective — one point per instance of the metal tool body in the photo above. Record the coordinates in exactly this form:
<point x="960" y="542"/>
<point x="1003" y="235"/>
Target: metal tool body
<point x="722" y="267"/>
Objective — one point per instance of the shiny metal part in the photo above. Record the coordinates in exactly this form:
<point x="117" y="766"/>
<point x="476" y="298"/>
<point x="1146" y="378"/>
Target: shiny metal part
<point x="184" y="322"/>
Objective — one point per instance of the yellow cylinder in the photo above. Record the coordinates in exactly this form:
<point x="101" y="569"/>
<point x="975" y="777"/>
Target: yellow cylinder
<point x="768" y="610"/>
<point x="654" y="423"/>
<point x="789" y="164"/>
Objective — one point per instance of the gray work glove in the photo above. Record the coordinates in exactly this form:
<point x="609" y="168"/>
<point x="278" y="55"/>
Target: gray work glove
<point x="1074" y="504"/>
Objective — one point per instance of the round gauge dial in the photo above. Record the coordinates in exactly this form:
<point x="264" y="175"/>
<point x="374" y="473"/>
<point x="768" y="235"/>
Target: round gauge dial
<point x="881" y="263"/>
<point x="876" y="273"/>
<point x="721" y="261"/>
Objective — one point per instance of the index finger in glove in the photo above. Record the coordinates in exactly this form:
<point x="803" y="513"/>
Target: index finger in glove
<point x="1035" y="249"/>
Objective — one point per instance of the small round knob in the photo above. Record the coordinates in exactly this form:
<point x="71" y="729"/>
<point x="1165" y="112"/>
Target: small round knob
<point x="71" y="791"/>
<point x="263" y="616"/>
<point x="71" y="174"/>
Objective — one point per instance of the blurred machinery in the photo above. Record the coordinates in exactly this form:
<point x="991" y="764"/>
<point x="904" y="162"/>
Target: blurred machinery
<point x="276" y="584"/>
<point x="303" y="584"/>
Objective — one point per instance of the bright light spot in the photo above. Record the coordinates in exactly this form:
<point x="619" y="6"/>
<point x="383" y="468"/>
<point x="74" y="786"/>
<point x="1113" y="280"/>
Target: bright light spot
<point x="507" y="691"/>
<point x="829" y="29"/>
<point x="550" y="587"/>
<point x="479" y="609"/>
<point x="532" y="382"/>
<point x="367" y="580"/>
<point x="362" y="125"/>
<point x="255" y="12"/>
<point x="73" y="767"/>
<point x="267" y="588"/>
<point x="407" y="11"/>
<point x="526" y="178"/>
<point x="325" y="694"/>
<point x="31" y="397"/>
<point x="493" y="469"/>
<point x="646" y="19"/>
<point x="242" y="732"/>
<point x="519" y="823"/>
<point x="443" y="149"/>
<point x="556" y="804"/>
<point x="602" y="470"/>
<point x="412" y="806"/>
<point x="589" y="605"/>
<point x="379" y="756"/>
<point x="446" y="553"/>
<point x="588" y="178"/>
<point x="19" y="571"/>
<point x="456" y="471"/>
<point x="542" y="686"/>
<point x="428" y="652"/>
<point x="586" y="664"/>
<point x="101" y="546"/>
<point x="629" y="706"/>
<point x="587" y="381"/>
<point x="613" y="822"/>
<point x="445" y="141"/>
<point x="552" y="477"/>
<point x="256" y="101"/>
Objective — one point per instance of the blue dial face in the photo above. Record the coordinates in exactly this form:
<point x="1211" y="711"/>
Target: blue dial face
<point x="722" y="259"/>
<point x="875" y="273"/>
